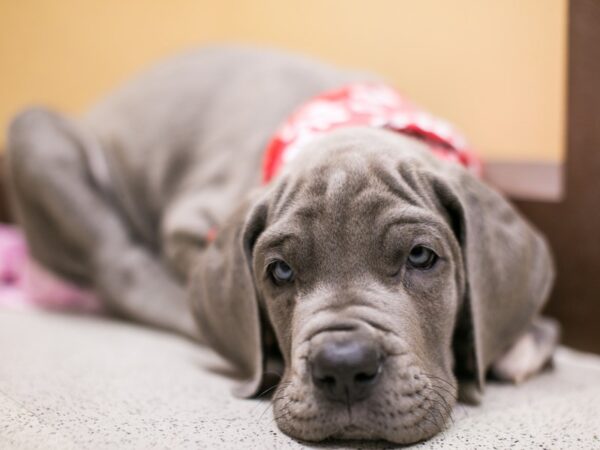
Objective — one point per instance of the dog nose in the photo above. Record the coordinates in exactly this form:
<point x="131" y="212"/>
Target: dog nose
<point x="346" y="369"/>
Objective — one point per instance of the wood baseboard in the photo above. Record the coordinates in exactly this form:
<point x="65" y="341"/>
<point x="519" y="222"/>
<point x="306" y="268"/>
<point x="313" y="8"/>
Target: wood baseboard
<point x="526" y="180"/>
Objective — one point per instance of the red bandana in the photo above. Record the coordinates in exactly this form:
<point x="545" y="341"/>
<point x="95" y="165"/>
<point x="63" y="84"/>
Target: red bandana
<point x="363" y="104"/>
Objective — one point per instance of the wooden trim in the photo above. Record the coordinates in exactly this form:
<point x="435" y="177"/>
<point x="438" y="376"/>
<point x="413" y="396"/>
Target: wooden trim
<point x="526" y="180"/>
<point x="573" y="225"/>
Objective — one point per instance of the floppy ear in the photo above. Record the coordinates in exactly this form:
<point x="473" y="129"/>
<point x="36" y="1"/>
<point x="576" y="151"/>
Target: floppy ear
<point x="224" y="298"/>
<point x="508" y="269"/>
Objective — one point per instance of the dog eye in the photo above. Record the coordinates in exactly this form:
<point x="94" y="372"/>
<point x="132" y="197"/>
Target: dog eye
<point x="280" y="272"/>
<point x="421" y="257"/>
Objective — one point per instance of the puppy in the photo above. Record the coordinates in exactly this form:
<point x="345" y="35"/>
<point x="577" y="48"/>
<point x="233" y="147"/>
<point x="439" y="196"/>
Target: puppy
<point x="386" y="280"/>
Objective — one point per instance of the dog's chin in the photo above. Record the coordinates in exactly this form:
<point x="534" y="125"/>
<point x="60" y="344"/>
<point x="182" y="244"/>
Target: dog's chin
<point x="407" y="406"/>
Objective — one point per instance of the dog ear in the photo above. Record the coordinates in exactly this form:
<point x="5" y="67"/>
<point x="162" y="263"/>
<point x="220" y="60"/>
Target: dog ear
<point x="224" y="297"/>
<point x="508" y="270"/>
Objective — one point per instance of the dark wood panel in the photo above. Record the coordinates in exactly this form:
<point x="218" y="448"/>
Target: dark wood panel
<point x="573" y="225"/>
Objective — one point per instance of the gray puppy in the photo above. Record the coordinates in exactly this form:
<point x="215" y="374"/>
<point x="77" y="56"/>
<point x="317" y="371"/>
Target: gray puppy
<point x="321" y="268"/>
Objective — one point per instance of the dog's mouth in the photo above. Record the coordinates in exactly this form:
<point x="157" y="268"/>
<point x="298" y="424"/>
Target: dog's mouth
<point x="403" y="404"/>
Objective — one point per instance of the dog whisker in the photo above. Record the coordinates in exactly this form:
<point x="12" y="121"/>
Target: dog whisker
<point x="283" y="408"/>
<point x="266" y="391"/>
<point x="448" y="388"/>
<point x="429" y="412"/>
<point x="263" y="412"/>
<point x="443" y="380"/>
<point x="433" y="388"/>
<point x="457" y="404"/>
<point x="443" y="405"/>
<point x="270" y="404"/>
<point x="285" y="412"/>
<point x="275" y="418"/>
<point x="433" y="423"/>
<point x="422" y="431"/>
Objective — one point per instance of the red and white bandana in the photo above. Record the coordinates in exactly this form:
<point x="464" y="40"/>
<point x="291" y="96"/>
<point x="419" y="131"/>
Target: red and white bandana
<point x="364" y="104"/>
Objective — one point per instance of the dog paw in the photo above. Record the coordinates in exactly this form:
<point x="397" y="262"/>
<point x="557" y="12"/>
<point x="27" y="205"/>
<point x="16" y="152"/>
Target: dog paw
<point x="530" y="353"/>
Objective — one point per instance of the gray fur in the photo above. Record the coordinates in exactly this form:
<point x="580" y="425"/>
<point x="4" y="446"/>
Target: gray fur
<point x="122" y="199"/>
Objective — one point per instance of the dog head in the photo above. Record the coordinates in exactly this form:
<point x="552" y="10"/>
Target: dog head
<point x="386" y="276"/>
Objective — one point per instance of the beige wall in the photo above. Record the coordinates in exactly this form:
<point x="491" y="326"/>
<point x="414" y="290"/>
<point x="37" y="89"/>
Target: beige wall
<point x="494" y="67"/>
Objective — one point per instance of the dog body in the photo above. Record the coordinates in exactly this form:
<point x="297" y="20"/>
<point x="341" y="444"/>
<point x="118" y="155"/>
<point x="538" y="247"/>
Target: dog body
<point x="380" y="272"/>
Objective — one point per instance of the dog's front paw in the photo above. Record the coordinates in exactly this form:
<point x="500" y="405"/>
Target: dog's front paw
<point x="530" y="353"/>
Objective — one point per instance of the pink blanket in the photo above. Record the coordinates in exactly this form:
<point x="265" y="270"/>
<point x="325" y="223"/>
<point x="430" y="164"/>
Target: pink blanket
<point x="24" y="284"/>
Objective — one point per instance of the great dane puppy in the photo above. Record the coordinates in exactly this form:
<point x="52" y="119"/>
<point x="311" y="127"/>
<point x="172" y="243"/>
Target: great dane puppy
<point x="386" y="280"/>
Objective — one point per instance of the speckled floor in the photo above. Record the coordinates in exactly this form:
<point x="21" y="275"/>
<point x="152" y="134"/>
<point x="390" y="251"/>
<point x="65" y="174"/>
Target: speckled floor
<point x="78" y="383"/>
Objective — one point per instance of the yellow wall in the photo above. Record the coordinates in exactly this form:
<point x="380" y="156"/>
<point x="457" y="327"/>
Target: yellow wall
<point x="496" y="68"/>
